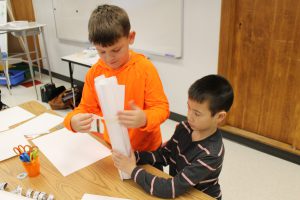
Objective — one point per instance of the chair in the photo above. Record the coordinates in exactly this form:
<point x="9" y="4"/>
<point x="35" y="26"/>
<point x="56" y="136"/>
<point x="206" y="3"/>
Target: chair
<point x="31" y="29"/>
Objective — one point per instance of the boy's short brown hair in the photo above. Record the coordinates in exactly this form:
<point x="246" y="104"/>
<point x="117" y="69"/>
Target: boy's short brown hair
<point x="216" y="90"/>
<point x="107" y="24"/>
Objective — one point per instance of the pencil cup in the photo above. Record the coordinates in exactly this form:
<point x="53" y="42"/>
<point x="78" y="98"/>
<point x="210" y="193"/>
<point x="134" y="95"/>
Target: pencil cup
<point x="32" y="168"/>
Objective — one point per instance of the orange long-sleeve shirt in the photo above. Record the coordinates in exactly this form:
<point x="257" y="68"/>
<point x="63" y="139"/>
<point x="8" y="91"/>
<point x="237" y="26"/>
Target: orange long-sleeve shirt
<point x="143" y="85"/>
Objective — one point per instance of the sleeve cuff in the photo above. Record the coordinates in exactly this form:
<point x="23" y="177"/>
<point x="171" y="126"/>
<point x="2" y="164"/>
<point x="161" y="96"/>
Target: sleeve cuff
<point x="135" y="172"/>
<point x="149" y="122"/>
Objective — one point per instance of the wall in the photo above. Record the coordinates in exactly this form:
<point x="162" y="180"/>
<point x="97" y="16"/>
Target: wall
<point x="200" y="49"/>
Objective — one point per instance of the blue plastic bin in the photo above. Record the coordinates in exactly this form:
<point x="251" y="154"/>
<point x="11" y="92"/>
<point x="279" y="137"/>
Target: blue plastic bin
<point x="15" y="76"/>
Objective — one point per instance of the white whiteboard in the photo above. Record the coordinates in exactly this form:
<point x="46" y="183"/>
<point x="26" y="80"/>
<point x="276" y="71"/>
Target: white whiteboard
<point x="158" y="23"/>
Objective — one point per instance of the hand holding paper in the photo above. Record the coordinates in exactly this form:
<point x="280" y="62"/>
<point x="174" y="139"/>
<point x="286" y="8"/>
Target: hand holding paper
<point x="124" y="163"/>
<point x="81" y="122"/>
<point x="133" y="118"/>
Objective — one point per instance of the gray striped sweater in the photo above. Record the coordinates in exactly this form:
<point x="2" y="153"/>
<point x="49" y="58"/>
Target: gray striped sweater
<point x="191" y="164"/>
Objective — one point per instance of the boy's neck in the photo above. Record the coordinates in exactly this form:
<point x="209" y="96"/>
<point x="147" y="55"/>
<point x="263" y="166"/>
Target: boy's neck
<point x="201" y="135"/>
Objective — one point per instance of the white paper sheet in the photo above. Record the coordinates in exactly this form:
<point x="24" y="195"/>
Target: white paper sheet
<point x="14" y="115"/>
<point x="70" y="152"/>
<point x="111" y="97"/>
<point x="99" y="197"/>
<point x="3" y="127"/>
<point x="8" y="140"/>
<point x="14" y="137"/>
<point x="10" y="196"/>
<point x="39" y="124"/>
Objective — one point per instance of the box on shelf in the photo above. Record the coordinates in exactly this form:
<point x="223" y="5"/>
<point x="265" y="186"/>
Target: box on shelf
<point x="15" y="76"/>
<point x="2" y="67"/>
<point x="24" y="67"/>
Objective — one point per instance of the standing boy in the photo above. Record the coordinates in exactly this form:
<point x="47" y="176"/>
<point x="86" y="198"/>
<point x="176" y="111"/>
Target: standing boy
<point x="195" y="152"/>
<point x="146" y="105"/>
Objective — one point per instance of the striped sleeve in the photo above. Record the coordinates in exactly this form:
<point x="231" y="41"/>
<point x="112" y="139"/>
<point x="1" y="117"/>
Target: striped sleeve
<point x="160" y="156"/>
<point x="154" y="185"/>
<point x="198" y="171"/>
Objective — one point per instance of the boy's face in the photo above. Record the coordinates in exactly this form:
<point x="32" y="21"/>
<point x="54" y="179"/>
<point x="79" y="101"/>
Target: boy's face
<point x="116" y="55"/>
<point x="200" y="118"/>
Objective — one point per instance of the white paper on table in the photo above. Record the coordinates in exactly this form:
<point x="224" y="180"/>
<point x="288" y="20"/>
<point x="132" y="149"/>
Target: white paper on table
<point x="111" y="97"/>
<point x="8" y="140"/>
<point x="91" y="57"/>
<point x="99" y="197"/>
<point x="14" y="115"/>
<point x="10" y="196"/>
<point x="40" y="124"/>
<point x="3" y="127"/>
<point x="70" y="152"/>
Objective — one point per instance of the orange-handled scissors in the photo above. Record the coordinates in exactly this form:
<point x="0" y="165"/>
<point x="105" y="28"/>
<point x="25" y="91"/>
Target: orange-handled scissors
<point x="23" y="149"/>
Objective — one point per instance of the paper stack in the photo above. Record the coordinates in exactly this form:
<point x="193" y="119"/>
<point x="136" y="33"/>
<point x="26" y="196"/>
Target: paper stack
<point x="111" y="97"/>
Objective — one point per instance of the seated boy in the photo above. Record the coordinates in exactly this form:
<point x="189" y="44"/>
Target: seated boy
<point x="195" y="152"/>
<point x="146" y="105"/>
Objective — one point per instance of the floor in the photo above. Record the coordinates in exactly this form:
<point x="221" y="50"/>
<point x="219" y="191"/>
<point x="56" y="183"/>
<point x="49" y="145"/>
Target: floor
<point x="247" y="174"/>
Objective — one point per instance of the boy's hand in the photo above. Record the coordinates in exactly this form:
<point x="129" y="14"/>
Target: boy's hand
<point x="124" y="163"/>
<point x="133" y="118"/>
<point x="81" y="122"/>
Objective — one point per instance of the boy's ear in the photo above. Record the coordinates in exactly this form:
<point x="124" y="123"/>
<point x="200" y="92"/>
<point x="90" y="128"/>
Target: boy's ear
<point x="131" y="37"/>
<point x="221" y="117"/>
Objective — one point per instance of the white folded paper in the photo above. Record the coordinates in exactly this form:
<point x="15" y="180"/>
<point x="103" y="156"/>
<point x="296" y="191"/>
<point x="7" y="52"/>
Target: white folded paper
<point x="111" y="97"/>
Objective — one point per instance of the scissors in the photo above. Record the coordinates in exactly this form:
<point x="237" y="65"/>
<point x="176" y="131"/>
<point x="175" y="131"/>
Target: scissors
<point x="25" y="151"/>
<point x="34" y="153"/>
<point x="22" y="149"/>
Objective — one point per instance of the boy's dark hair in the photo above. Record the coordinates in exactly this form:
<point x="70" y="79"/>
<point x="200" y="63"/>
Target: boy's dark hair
<point x="215" y="89"/>
<point x="107" y="24"/>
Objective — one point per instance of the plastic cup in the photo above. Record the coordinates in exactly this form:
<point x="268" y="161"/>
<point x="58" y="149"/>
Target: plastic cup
<point x="32" y="168"/>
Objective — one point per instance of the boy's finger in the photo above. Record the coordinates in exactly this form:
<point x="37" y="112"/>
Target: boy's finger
<point x="115" y="164"/>
<point x="86" y="122"/>
<point x="116" y="154"/>
<point x="115" y="151"/>
<point x="85" y="116"/>
<point x="123" y="117"/>
<point x="127" y="122"/>
<point x="86" y="128"/>
<point x="126" y="113"/>
<point x="84" y="131"/>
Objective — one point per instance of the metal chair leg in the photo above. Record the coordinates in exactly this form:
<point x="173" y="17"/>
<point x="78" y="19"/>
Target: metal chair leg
<point x="46" y="53"/>
<point x="30" y="64"/>
<point x="37" y="56"/>
<point x="6" y="73"/>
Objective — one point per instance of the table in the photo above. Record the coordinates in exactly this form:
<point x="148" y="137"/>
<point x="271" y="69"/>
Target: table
<point x="30" y="29"/>
<point x="85" y="58"/>
<point x="100" y="178"/>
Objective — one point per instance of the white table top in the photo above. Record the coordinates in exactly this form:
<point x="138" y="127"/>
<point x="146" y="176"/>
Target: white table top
<point x="86" y="57"/>
<point x="11" y="27"/>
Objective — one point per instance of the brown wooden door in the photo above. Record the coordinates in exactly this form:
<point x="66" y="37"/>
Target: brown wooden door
<point x="22" y="10"/>
<point x="260" y="55"/>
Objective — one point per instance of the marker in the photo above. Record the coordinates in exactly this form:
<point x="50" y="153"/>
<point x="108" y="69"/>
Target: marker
<point x="169" y="55"/>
